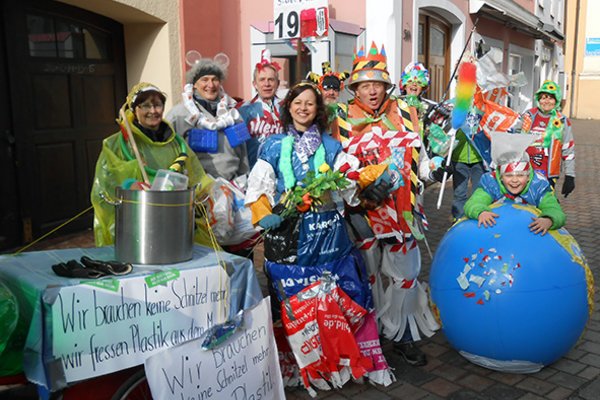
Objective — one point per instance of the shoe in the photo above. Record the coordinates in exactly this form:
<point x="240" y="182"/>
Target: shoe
<point x="107" y="267"/>
<point x="72" y="269"/>
<point x="411" y="353"/>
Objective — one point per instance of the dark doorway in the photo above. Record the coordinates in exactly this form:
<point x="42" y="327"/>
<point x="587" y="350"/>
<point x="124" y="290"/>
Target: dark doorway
<point x="66" y="78"/>
<point x="434" y="52"/>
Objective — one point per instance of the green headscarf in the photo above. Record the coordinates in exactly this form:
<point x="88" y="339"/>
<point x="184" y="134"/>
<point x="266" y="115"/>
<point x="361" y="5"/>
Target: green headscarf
<point x="550" y="87"/>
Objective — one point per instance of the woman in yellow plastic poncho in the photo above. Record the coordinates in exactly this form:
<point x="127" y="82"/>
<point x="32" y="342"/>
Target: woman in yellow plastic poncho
<point x="159" y="147"/>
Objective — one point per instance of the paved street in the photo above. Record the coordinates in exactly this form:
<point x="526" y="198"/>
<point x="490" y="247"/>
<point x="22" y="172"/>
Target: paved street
<point x="448" y="375"/>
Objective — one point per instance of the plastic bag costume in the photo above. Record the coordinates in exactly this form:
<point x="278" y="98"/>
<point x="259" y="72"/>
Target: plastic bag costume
<point x="321" y="241"/>
<point x="388" y="240"/>
<point x="116" y="163"/>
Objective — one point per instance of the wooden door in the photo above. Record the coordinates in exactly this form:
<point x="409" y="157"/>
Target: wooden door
<point x="67" y="79"/>
<point x="10" y="227"/>
<point x="434" y="52"/>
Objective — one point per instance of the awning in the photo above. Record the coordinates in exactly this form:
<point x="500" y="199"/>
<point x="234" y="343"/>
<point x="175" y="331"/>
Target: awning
<point x="515" y="16"/>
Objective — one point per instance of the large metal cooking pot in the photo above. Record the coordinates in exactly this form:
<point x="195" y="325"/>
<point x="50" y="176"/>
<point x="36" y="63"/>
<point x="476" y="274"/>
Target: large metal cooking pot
<point x="154" y="227"/>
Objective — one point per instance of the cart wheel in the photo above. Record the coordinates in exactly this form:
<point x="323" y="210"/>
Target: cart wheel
<point x="134" y="388"/>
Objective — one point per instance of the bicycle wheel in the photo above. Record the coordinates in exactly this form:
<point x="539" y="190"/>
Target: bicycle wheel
<point x="134" y="388"/>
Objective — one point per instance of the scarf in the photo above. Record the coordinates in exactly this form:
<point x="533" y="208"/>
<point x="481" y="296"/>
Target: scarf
<point x="305" y="145"/>
<point x="554" y="129"/>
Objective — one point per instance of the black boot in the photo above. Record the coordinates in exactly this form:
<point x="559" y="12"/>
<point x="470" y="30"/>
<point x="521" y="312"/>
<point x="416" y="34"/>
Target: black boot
<point x="411" y="353"/>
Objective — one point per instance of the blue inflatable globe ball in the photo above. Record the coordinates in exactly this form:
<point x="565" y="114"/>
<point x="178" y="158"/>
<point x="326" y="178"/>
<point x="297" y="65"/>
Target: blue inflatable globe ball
<point x="508" y="299"/>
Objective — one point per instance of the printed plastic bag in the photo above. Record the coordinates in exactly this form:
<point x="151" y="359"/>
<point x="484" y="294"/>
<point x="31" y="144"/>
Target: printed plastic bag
<point x="323" y="238"/>
<point x="231" y="221"/>
<point x="220" y="210"/>
<point x="367" y="339"/>
<point x="319" y="322"/>
<point x="349" y="272"/>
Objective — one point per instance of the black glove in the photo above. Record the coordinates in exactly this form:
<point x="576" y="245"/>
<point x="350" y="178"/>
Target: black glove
<point x="438" y="174"/>
<point x="374" y="194"/>
<point x="568" y="186"/>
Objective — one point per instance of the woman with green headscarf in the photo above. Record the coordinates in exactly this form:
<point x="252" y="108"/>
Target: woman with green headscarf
<point x="159" y="148"/>
<point x="554" y="145"/>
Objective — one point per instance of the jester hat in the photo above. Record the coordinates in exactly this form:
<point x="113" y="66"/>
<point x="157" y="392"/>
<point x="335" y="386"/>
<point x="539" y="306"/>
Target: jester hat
<point x="329" y="79"/>
<point x="549" y="87"/>
<point x="415" y="72"/>
<point x="370" y="66"/>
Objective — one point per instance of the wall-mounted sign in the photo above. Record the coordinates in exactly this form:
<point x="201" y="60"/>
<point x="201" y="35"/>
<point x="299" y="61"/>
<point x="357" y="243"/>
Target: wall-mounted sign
<point x="300" y="18"/>
<point x="592" y="47"/>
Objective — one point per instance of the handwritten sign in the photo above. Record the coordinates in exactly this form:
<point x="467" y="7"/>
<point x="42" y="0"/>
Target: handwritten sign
<point x="98" y="329"/>
<point x="300" y="18"/>
<point x="245" y="367"/>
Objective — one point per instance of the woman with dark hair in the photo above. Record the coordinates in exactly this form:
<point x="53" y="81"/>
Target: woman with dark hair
<point x="285" y="159"/>
<point x="305" y="240"/>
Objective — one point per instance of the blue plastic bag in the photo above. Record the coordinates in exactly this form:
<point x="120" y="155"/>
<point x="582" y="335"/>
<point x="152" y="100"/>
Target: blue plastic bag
<point x="323" y="238"/>
<point x="349" y="272"/>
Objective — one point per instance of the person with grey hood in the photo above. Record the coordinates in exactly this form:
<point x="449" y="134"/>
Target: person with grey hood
<point x="208" y="119"/>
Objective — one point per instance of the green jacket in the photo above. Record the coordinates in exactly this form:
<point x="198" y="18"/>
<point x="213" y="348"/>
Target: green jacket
<point x="537" y="193"/>
<point x="465" y="152"/>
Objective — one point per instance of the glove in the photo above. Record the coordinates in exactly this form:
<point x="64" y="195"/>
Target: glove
<point x="270" y="221"/>
<point x="568" y="186"/>
<point x="438" y="174"/>
<point x="378" y="190"/>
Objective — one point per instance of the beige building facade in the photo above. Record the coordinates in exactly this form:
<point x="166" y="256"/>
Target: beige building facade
<point x="582" y="59"/>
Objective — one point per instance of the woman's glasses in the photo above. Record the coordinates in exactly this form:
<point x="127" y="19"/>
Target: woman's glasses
<point x="150" y="106"/>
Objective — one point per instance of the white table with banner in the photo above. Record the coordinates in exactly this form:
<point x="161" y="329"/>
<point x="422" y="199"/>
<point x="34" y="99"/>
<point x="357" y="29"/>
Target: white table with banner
<point x="71" y="329"/>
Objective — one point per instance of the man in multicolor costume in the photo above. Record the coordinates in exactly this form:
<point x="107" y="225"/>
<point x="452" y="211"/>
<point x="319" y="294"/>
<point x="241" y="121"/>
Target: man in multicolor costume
<point x="261" y="114"/>
<point x="378" y="130"/>
<point x="554" y="145"/>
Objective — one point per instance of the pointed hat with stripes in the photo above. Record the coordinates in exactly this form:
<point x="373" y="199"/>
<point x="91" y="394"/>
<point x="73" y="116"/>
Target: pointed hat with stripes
<point x="370" y="66"/>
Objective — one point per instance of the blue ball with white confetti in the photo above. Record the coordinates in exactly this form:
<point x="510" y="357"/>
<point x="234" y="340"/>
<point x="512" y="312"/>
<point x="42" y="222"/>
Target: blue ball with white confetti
<point x="508" y="299"/>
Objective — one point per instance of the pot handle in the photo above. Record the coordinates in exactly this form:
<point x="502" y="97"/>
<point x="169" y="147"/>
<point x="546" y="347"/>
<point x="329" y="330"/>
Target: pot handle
<point x="107" y="199"/>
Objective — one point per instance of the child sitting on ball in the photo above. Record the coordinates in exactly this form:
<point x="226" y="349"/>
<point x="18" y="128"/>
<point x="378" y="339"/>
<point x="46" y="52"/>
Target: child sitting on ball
<point x="514" y="179"/>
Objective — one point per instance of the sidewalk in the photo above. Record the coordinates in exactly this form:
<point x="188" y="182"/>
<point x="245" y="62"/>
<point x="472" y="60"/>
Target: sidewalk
<point x="448" y="375"/>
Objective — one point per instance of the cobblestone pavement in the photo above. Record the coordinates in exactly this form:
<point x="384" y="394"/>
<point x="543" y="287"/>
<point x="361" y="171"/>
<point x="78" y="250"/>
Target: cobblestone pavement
<point x="449" y="376"/>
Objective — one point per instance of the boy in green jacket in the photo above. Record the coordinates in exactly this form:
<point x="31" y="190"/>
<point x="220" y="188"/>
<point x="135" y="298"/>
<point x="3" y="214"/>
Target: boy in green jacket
<point x="515" y="180"/>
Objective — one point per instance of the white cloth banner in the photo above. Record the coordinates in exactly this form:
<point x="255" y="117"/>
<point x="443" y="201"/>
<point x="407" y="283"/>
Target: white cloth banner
<point x="244" y="367"/>
<point x="108" y="325"/>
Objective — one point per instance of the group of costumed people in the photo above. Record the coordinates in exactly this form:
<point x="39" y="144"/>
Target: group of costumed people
<point x="337" y="189"/>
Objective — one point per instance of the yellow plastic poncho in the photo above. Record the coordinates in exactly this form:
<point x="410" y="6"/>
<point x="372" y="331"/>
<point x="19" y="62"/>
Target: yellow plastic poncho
<point x="113" y="168"/>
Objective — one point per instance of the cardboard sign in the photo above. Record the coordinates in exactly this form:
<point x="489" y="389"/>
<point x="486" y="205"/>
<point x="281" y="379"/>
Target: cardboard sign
<point x="244" y="367"/>
<point x="101" y="328"/>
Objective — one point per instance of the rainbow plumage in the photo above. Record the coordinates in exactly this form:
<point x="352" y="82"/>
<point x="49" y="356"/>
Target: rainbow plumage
<point x="465" y="89"/>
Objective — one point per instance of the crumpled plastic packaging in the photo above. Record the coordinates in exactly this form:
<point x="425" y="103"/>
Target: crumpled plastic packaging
<point x="320" y="321"/>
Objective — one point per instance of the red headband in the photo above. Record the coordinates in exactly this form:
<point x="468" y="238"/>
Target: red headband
<point x="264" y="64"/>
<point x="515" y="167"/>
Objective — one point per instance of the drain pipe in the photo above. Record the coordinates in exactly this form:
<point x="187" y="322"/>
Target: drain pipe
<point x="574" y="65"/>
